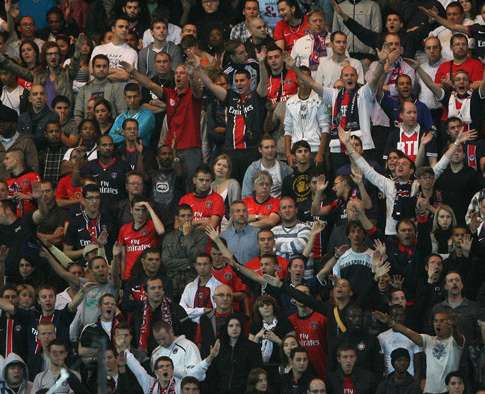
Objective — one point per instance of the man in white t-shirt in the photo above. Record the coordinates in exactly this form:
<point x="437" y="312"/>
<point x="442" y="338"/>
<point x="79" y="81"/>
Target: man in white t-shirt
<point x="328" y="72"/>
<point x="443" y="351"/>
<point x="117" y="50"/>
<point x="391" y="340"/>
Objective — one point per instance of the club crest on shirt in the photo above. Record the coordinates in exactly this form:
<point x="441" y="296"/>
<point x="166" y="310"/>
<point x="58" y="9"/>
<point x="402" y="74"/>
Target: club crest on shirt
<point x="114" y="174"/>
<point x="209" y="204"/>
<point x="228" y="276"/>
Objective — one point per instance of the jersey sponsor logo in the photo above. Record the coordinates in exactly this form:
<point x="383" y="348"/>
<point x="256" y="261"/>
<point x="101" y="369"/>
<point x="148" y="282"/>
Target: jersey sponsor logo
<point x="306" y="341"/>
<point x="162" y="187"/>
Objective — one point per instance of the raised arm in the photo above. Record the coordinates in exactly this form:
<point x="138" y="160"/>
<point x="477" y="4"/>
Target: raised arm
<point x="317" y="228"/>
<point x="397" y="327"/>
<point x="15" y="68"/>
<point x="262" y="88"/>
<point x="116" y="266"/>
<point x="218" y="91"/>
<point x="142" y="79"/>
<point x="437" y="90"/>
<point x="358" y="179"/>
<point x="249" y="273"/>
<point x="157" y="223"/>
<point x="443" y="21"/>
<point x="425" y="140"/>
<point x="79" y="297"/>
<point x="384" y="56"/>
<point x="307" y="80"/>
<point x="378" y="180"/>
<point x="58" y="269"/>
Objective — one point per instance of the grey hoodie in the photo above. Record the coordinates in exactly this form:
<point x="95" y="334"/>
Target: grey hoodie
<point x="25" y="387"/>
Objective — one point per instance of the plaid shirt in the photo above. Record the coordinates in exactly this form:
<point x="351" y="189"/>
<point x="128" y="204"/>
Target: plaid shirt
<point x="241" y="32"/>
<point x="51" y="160"/>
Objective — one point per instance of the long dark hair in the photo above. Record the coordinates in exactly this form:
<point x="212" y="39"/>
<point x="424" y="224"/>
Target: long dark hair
<point x="225" y="336"/>
<point x="36" y="50"/>
<point x="253" y="378"/>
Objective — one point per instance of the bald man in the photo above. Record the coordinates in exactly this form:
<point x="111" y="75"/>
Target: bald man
<point x="317" y="386"/>
<point x="351" y="105"/>
<point x="212" y="323"/>
<point x="33" y="121"/>
<point x="259" y="36"/>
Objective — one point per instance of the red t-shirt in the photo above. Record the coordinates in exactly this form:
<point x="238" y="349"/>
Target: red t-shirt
<point x="282" y="269"/>
<point x="280" y="92"/>
<point x="271" y="205"/>
<point x="311" y="332"/>
<point x="135" y="242"/>
<point x="228" y="277"/>
<point x="23" y="184"/>
<point x="65" y="190"/>
<point x="283" y="31"/>
<point x="213" y="204"/>
<point x="183" y="119"/>
<point x="473" y="67"/>
<point x="348" y="386"/>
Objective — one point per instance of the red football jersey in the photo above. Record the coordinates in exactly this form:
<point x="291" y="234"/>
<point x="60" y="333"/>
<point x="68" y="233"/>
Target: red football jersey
<point x="135" y="242"/>
<point x="227" y="276"/>
<point x="283" y="31"/>
<point x="272" y="204"/>
<point x="311" y="332"/>
<point x="282" y="269"/>
<point x="282" y="87"/>
<point x="23" y="184"/>
<point x="213" y="204"/>
<point x="65" y="189"/>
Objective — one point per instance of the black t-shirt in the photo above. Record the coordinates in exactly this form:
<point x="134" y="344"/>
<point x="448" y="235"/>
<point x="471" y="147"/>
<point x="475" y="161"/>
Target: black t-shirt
<point x="477" y="31"/>
<point x="111" y="179"/>
<point x="245" y="120"/>
<point x="298" y="186"/>
<point x="19" y="237"/>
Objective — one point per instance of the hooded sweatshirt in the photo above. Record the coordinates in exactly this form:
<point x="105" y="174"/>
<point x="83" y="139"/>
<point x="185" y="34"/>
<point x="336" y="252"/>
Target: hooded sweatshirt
<point x="25" y="386"/>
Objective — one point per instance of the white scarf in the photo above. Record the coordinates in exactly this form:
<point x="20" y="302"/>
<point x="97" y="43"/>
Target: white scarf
<point x="464" y="112"/>
<point x="266" y="344"/>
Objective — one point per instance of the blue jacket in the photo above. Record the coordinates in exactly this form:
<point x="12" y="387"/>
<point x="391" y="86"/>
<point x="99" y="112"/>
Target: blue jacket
<point x="146" y="126"/>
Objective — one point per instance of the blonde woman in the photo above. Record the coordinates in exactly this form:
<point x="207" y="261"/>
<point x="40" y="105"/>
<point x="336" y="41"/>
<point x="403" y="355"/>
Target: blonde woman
<point x="227" y="187"/>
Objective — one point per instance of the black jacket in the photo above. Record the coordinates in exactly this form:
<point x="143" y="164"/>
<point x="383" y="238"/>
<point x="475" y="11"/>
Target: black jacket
<point x="228" y="372"/>
<point x="363" y="381"/>
<point x="390" y="386"/>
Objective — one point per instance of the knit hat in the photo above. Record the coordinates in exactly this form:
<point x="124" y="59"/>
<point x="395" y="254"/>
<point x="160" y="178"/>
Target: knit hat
<point x="398" y="353"/>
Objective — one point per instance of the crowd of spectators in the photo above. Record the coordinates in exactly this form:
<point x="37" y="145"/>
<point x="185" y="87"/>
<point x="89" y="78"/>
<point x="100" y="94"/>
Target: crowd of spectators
<point x="242" y="196"/>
